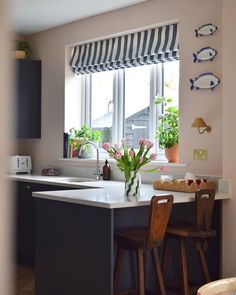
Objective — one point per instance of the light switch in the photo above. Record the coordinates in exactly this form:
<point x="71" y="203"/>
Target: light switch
<point x="200" y="154"/>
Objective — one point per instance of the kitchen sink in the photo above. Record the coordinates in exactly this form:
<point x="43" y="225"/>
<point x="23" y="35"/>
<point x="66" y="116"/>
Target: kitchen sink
<point x="77" y="179"/>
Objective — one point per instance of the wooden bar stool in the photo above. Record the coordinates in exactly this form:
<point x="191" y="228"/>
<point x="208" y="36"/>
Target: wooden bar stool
<point x="142" y="239"/>
<point x="199" y="231"/>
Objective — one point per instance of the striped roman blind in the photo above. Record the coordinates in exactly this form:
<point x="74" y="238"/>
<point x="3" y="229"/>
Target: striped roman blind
<point x="140" y="48"/>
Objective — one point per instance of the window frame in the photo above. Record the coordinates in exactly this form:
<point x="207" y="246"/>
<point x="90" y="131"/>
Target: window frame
<point x="156" y="89"/>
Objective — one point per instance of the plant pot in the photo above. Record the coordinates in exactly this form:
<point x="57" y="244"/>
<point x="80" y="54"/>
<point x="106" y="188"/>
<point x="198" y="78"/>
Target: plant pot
<point x="172" y="154"/>
<point x="19" y="54"/>
<point x="87" y="152"/>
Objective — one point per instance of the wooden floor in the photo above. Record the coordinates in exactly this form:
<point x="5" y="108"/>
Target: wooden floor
<point x="25" y="281"/>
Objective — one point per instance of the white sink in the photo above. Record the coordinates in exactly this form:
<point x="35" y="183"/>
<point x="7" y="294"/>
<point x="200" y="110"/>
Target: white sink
<point x="77" y="179"/>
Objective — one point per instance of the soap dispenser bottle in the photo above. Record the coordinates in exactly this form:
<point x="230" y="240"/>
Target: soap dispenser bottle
<point x="106" y="171"/>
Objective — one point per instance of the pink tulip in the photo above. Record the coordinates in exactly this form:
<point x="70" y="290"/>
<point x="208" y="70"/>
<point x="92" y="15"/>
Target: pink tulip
<point x="106" y="146"/>
<point x="131" y="153"/>
<point x="153" y="157"/>
<point x="142" y="141"/>
<point x="149" y="144"/>
<point x="141" y="160"/>
<point x="118" y="155"/>
<point x="163" y="168"/>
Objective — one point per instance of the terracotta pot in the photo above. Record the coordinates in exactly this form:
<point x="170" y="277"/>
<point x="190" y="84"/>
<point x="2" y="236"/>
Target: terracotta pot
<point x="172" y="154"/>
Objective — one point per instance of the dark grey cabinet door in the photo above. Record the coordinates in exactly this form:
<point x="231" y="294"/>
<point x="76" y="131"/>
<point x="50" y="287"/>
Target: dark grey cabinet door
<point x="25" y="219"/>
<point x="28" y="98"/>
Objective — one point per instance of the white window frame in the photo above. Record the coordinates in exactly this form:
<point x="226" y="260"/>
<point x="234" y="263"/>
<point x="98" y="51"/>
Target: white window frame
<point x="156" y="89"/>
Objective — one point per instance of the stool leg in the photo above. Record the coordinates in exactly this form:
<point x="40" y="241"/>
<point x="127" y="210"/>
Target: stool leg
<point x="144" y="265"/>
<point x="183" y="268"/>
<point x="140" y="272"/>
<point x="117" y="269"/>
<point x="165" y="258"/>
<point x="203" y="263"/>
<point x="157" y="267"/>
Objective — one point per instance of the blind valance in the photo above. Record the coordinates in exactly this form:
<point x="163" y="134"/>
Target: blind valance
<point x="140" y="48"/>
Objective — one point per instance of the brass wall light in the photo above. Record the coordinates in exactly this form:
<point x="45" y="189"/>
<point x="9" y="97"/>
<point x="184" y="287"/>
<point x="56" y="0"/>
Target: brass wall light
<point x="201" y="125"/>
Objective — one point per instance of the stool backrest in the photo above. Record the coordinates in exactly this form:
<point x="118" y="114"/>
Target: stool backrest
<point x="204" y="208"/>
<point x="159" y="216"/>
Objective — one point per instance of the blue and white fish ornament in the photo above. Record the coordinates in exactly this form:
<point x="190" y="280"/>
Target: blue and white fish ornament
<point x="205" y="81"/>
<point x="206" y="30"/>
<point x="204" y="54"/>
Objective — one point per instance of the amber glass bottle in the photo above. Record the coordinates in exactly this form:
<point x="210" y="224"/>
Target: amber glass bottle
<point x="106" y="171"/>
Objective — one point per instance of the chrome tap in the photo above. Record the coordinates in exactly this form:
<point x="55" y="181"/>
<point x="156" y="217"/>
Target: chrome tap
<point x="97" y="171"/>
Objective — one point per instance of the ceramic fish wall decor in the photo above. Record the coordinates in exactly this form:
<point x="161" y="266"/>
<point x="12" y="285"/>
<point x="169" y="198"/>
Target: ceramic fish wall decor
<point x="204" y="81"/>
<point x="206" y="30"/>
<point x="204" y="54"/>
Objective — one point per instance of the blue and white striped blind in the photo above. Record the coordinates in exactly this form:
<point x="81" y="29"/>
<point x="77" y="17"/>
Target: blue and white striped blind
<point x="141" y="48"/>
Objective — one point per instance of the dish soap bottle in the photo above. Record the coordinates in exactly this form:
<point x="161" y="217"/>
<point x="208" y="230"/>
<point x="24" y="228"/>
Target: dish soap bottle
<point x="106" y="171"/>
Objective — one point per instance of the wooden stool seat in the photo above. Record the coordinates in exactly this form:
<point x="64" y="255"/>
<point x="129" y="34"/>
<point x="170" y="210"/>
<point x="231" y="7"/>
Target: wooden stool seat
<point x="188" y="230"/>
<point x="132" y="237"/>
<point x="142" y="239"/>
<point x="199" y="231"/>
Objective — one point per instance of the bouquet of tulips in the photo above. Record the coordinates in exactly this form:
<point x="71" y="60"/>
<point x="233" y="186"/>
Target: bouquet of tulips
<point x="128" y="160"/>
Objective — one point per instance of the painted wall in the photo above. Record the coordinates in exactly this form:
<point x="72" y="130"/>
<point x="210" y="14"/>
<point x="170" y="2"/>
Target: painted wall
<point x="6" y="245"/>
<point x="49" y="46"/>
<point x="229" y="138"/>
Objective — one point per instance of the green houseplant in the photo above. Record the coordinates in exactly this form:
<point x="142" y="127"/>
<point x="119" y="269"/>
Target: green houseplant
<point x="80" y="136"/>
<point x="22" y="49"/>
<point x="167" y="132"/>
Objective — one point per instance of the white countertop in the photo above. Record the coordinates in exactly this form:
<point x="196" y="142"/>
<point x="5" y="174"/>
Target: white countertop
<point x="105" y="194"/>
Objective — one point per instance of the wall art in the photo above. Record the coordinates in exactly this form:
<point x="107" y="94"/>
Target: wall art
<point x="204" y="81"/>
<point x="204" y="54"/>
<point x="206" y="30"/>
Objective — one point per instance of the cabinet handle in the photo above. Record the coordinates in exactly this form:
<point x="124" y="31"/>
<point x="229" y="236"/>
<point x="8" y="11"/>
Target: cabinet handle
<point x="28" y="187"/>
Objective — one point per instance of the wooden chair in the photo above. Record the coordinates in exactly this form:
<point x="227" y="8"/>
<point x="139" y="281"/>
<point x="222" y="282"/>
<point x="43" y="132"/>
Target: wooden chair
<point x="200" y="231"/>
<point x="142" y="239"/>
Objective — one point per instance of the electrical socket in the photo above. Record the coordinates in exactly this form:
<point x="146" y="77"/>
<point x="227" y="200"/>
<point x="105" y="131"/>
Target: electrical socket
<point x="200" y="154"/>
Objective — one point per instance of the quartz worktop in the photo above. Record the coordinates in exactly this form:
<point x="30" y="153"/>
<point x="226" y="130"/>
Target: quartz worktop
<point x="105" y="194"/>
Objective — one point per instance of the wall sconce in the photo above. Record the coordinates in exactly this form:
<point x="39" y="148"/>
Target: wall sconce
<point x="200" y="123"/>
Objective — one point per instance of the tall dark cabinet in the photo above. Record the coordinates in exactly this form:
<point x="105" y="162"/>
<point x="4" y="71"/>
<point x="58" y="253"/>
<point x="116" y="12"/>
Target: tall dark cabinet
<point x="28" y="98"/>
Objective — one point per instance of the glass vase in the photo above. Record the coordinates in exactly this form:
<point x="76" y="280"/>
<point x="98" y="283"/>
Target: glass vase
<point x="132" y="186"/>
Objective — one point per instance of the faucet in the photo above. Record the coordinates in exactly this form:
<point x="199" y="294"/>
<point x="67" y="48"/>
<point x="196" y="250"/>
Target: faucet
<point x="97" y="171"/>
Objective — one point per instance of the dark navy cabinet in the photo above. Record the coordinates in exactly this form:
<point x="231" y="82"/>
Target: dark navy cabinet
<point x="28" y="98"/>
<point x="25" y="219"/>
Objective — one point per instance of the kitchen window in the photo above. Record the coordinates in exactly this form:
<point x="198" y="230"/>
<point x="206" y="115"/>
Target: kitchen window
<point x="119" y="78"/>
<point x="120" y="103"/>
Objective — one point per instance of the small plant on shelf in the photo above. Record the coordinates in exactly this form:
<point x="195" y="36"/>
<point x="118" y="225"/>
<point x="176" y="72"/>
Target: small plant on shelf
<point x="81" y="136"/>
<point x="22" y="49"/>
<point x="167" y="133"/>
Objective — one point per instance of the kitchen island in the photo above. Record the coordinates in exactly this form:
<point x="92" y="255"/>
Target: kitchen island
<point x="75" y="247"/>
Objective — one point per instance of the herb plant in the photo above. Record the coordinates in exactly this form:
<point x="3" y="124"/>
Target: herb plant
<point x="167" y="132"/>
<point x="80" y="136"/>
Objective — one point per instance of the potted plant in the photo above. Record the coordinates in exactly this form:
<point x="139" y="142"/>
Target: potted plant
<point x="167" y="132"/>
<point x="22" y="49"/>
<point x="81" y="136"/>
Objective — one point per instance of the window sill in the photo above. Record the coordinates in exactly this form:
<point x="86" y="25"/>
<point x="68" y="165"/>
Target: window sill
<point x="91" y="163"/>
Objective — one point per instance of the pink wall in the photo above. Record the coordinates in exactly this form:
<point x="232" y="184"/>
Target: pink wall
<point x="49" y="46"/>
<point x="229" y="138"/>
<point x="6" y="285"/>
